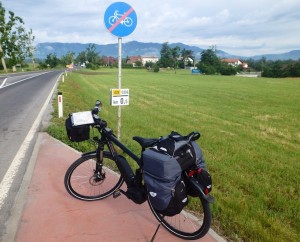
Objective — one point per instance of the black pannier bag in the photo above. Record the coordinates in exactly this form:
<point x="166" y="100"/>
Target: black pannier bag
<point x="77" y="133"/>
<point x="165" y="187"/>
<point x="163" y="166"/>
<point x="190" y="158"/>
<point x="183" y="148"/>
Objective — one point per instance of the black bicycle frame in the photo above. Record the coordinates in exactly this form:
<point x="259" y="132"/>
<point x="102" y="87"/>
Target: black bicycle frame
<point x="114" y="140"/>
<point x="107" y="138"/>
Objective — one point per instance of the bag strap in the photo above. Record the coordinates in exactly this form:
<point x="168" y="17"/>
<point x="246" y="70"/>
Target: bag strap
<point x="190" y="137"/>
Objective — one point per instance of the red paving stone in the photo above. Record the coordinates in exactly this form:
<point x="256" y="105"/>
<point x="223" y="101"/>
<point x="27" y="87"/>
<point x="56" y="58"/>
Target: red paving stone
<point x="50" y="214"/>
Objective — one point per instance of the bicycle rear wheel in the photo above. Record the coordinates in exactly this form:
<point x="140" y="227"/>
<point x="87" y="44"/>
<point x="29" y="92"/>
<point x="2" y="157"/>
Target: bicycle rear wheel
<point x="187" y="225"/>
<point x="82" y="181"/>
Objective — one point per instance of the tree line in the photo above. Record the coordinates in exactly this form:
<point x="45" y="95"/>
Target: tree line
<point x="177" y="58"/>
<point x="15" y="41"/>
<point x="278" y="68"/>
<point x="210" y="63"/>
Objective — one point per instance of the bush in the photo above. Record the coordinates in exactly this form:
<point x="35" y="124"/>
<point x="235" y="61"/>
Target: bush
<point x="227" y="70"/>
<point x="92" y="66"/>
<point x="155" y="68"/>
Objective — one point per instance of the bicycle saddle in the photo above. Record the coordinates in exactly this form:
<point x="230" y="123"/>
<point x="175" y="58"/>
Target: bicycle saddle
<point x="145" y="142"/>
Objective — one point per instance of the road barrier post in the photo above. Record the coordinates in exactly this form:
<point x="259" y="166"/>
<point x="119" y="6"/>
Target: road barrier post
<point x="60" y="104"/>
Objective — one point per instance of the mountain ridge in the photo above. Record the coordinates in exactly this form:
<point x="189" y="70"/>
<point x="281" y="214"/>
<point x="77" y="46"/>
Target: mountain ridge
<point x="134" y="48"/>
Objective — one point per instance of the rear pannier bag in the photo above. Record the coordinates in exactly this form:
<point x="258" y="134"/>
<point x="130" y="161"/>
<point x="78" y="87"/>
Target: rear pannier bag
<point x="184" y="149"/>
<point x="165" y="187"/>
<point x="163" y="166"/>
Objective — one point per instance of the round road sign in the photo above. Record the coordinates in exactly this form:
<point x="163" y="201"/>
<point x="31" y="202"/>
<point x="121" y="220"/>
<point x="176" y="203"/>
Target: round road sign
<point x="120" y="19"/>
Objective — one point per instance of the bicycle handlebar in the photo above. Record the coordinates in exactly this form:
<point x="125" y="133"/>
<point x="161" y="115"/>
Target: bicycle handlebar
<point x="98" y="121"/>
<point x="97" y="107"/>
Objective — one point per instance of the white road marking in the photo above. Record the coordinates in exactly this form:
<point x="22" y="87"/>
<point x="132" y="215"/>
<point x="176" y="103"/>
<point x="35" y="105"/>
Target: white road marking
<point x="12" y="170"/>
<point x="3" y="83"/>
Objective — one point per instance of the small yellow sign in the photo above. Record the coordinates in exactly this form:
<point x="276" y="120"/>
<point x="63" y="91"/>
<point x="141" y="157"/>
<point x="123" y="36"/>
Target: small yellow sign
<point x="116" y="92"/>
<point x="119" y="97"/>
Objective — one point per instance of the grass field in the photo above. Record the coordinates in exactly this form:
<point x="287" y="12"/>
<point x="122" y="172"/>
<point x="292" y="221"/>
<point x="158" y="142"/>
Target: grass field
<point x="250" y="138"/>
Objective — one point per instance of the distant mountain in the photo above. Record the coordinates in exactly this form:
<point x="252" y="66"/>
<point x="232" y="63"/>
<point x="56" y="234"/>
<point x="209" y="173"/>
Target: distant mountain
<point x="292" y="55"/>
<point x="134" y="48"/>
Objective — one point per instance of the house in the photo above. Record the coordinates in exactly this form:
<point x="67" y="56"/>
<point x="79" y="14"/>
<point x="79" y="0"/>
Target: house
<point x="109" y="60"/>
<point x="133" y="59"/>
<point x="143" y="59"/>
<point x="146" y="59"/>
<point x="235" y="62"/>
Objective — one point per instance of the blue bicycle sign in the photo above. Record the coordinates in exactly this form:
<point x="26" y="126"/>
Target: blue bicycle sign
<point x="120" y="19"/>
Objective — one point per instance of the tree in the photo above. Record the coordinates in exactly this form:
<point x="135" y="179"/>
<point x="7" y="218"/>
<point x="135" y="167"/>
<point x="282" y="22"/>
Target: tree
<point x="30" y="48"/>
<point x="14" y="39"/>
<point x="92" y="55"/>
<point x="81" y="57"/>
<point x="165" y="56"/>
<point x="68" y="58"/>
<point x="186" y="54"/>
<point x="209" y="57"/>
<point x="209" y="63"/>
<point x="52" y="60"/>
<point x="149" y="64"/>
<point x="175" y="55"/>
<point x="2" y="37"/>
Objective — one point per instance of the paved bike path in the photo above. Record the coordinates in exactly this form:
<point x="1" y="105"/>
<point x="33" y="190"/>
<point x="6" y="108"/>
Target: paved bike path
<point x="44" y="211"/>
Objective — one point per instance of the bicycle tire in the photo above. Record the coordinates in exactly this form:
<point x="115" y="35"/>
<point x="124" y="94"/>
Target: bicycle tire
<point x="81" y="183"/>
<point x="186" y="225"/>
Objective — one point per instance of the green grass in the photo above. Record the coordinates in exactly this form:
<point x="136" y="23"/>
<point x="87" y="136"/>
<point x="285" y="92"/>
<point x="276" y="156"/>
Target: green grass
<point x="250" y="138"/>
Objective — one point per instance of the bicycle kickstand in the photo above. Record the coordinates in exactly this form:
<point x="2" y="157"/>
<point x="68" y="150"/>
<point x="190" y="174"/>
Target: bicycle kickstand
<point x="153" y="237"/>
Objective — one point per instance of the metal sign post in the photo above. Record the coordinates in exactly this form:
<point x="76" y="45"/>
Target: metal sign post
<point x="120" y="80"/>
<point x="120" y="20"/>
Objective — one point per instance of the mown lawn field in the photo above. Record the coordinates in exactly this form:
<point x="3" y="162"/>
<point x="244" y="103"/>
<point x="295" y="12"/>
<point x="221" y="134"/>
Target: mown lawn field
<point x="250" y="138"/>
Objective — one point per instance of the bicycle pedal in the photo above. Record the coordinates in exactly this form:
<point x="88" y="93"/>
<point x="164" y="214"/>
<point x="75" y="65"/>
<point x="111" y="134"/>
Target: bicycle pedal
<point x="116" y="194"/>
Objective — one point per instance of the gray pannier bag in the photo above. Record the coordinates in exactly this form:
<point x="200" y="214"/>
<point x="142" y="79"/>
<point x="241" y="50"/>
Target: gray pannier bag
<point x="162" y="171"/>
<point x="165" y="187"/>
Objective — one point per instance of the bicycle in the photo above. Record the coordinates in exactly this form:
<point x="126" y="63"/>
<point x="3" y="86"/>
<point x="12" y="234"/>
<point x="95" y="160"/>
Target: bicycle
<point x="114" y="18"/>
<point x="91" y="178"/>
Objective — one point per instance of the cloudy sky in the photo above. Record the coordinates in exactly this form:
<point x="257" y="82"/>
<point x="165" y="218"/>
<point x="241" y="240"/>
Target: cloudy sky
<point x="237" y="27"/>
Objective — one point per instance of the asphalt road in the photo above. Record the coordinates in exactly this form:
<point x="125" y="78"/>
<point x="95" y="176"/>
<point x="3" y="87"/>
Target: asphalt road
<point x="22" y="97"/>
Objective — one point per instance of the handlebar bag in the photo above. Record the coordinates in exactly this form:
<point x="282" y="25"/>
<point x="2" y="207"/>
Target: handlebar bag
<point x="77" y="133"/>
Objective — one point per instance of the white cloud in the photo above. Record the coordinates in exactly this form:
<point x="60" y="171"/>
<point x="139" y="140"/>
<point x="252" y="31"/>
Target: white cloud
<point x="237" y="27"/>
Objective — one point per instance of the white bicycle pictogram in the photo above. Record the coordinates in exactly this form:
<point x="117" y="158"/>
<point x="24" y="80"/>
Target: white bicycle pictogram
<point x="113" y="19"/>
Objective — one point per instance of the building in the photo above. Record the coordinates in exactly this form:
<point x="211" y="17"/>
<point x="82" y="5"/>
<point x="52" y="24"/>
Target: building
<point x="235" y="62"/>
<point x="152" y="59"/>
<point x="133" y="59"/>
<point x="143" y="59"/>
<point x="109" y="60"/>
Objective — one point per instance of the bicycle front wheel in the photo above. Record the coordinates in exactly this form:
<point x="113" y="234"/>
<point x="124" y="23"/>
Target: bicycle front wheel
<point x="83" y="181"/>
<point x="189" y="225"/>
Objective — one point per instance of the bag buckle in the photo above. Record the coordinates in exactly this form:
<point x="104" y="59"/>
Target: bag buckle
<point x="193" y="172"/>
